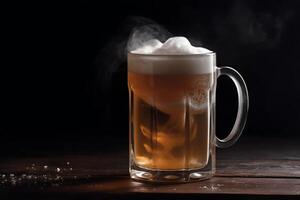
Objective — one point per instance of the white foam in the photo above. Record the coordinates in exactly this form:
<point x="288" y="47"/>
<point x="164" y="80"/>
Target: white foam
<point x="171" y="57"/>
<point x="148" y="47"/>
<point x="173" y="46"/>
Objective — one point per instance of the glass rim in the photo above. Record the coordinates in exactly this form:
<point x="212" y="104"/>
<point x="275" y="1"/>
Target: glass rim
<point x="173" y="55"/>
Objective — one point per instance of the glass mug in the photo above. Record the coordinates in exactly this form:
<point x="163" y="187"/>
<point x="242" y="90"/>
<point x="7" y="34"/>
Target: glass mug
<point x="172" y="116"/>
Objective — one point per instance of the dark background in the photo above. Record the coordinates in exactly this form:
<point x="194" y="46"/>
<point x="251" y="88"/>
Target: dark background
<point x="64" y="81"/>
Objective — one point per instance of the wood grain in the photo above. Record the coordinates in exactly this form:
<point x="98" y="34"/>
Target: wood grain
<point x="275" y="174"/>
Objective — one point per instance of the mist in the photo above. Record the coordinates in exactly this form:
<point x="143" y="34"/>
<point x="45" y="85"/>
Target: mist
<point x="238" y="31"/>
<point x="251" y="26"/>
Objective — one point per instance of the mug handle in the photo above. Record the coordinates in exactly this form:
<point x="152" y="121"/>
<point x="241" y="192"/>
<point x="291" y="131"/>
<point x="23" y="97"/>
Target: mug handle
<point x="243" y="106"/>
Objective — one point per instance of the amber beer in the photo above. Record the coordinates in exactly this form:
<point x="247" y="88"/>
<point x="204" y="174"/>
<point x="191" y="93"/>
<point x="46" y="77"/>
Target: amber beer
<point x="169" y="112"/>
<point x="172" y="95"/>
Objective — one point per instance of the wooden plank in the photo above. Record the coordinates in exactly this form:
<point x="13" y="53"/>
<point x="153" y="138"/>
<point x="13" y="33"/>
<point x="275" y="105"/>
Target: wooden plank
<point x="233" y="177"/>
<point x="110" y="165"/>
<point x="242" y="171"/>
<point x="216" y="185"/>
<point x="258" y="168"/>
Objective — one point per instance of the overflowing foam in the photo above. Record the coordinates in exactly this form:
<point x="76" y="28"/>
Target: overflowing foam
<point x="173" y="46"/>
<point x="171" y="57"/>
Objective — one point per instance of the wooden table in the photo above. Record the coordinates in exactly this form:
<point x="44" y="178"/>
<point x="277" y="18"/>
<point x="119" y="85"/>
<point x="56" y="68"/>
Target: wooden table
<point x="253" y="169"/>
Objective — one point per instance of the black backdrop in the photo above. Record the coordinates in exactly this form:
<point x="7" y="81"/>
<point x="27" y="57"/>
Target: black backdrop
<point x="64" y="69"/>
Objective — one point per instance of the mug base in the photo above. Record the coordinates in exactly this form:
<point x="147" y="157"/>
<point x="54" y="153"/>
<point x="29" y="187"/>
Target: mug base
<point x="169" y="176"/>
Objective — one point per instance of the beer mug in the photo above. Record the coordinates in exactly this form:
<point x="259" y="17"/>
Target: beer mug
<point x="172" y="113"/>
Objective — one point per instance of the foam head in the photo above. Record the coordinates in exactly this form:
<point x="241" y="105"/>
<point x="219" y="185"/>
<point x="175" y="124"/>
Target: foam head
<point x="176" y="58"/>
<point x="148" y="47"/>
<point x="173" y="46"/>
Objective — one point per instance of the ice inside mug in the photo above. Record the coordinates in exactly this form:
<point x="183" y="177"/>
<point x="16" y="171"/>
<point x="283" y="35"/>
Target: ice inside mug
<point x="170" y="88"/>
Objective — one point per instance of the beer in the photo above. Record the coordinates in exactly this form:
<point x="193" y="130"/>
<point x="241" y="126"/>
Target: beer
<point x="169" y="113"/>
<point x="172" y="92"/>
